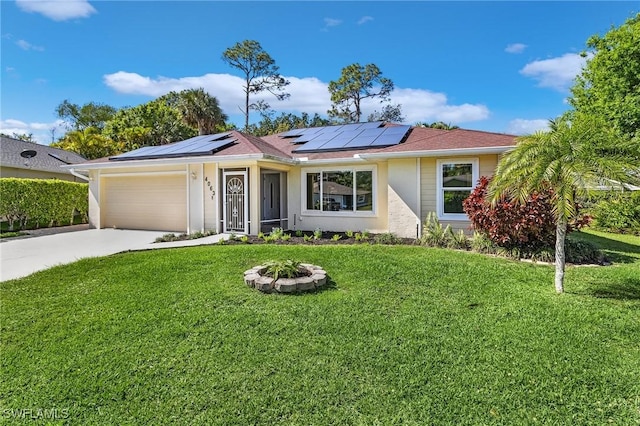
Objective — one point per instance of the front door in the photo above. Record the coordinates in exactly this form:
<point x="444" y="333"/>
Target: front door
<point x="236" y="210"/>
<point x="271" y="199"/>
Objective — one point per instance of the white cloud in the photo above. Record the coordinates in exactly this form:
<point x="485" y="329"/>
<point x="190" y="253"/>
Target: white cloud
<point x="365" y="19"/>
<point x="330" y="22"/>
<point x="41" y="131"/>
<point x="308" y="94"/>
<point x="58" y="10"/>
<point x="25" y="45"/>
<point x="515" y="48"/>
<point x="424" y="105"/>
<point x="520" y="126"/>
<point x="556" y="73"/>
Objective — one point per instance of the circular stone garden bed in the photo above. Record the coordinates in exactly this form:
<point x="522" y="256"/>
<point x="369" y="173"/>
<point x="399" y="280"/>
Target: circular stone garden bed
<point x="309" y="278"/>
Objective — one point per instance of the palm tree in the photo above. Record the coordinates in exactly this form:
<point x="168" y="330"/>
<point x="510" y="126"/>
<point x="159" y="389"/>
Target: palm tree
<point x="201" y="110"/>
<point x="577" y="155"/>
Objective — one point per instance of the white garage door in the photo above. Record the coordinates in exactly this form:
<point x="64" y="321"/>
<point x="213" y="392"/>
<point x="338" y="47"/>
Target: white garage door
<point x="157" y="203"/>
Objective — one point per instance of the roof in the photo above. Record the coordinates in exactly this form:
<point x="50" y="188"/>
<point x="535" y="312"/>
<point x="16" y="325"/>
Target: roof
<point x="47" y="158"/>
<point x="419" y="141"/>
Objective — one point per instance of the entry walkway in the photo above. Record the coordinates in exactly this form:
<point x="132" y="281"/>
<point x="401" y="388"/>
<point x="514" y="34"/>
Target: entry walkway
<point x="22" y="257"/>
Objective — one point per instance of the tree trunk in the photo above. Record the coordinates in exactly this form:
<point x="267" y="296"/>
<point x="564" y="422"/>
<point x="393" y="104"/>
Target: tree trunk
<point x="246" y="104"/>
<point x="561" y="233"/>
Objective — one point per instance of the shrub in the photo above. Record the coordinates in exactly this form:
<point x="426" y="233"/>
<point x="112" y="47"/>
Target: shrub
<point x="526" y="226"/>
<point x="307" y="238"/>
<point x="349" y="233"/>
<point x="244" y="239"/>
<point x="336" y="237"/>
<point x="457" y="240"/>
<point x="482" y="244"/>
<point x="45" y="201"/>
<point x="285" y="237"/>
<point x="617" y="212"/>
<point x="317" y="234"/>
<point x="581" y="252"/>
<point x="433" y="234"/>
<point x="387" y="238"/>
<point x="299" y="233"/>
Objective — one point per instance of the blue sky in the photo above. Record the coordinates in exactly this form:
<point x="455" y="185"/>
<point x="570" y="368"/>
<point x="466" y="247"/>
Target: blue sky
<point x="496" y="66"/>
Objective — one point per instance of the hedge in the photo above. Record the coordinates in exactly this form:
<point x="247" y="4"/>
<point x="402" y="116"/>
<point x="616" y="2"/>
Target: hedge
<point x="618" y="212"/>
<point x="47" y="202"/>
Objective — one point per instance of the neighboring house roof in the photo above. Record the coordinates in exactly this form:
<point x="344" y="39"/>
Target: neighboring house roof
<point x="418" y="141"/>
<point x="47" y="158"/>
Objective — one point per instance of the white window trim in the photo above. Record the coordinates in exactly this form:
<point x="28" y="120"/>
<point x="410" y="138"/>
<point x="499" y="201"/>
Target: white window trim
<point x="374" y="188"/>
<point x="475" y="172"/>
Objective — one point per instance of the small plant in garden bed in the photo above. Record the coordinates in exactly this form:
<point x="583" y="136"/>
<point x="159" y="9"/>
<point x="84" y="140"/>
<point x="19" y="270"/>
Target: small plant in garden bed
<point x="284" y="269"/>
<point x="183" y="237"/>
<point x="388" y="238"/>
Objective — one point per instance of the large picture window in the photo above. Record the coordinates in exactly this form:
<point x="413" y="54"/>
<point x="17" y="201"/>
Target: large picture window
<point x="346" y="190"/>
<point x="455" y="181"/>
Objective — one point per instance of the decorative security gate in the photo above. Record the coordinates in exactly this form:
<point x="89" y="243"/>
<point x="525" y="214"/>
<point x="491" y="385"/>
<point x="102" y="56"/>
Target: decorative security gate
<point x="235" y="202"/>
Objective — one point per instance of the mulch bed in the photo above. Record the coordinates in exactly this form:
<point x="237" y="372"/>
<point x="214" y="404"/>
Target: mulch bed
<point x="326" y="239"/>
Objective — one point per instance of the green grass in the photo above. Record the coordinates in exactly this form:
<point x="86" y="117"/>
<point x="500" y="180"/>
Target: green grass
<point x="404" y="335"/>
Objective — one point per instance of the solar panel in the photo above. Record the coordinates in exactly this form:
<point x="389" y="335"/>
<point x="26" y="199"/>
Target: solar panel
<point x="198" y="145"/>
<point x="292" y="133"/>
<point x="385" y="140"/>
<point x="341" y="139"/>
<point x="371" y="125"/>
<point x="349" y="136"/>
<point x="393" y="130"/>
<point x="362" y="141"/>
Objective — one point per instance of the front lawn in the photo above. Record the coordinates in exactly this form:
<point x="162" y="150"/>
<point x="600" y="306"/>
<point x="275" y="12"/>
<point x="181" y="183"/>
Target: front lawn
<point x="404" y="335"/>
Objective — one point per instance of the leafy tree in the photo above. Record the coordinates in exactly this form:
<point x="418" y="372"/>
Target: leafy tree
<point x="89" y="143"/>
<point x="26" y="137"/>
<point x="91" y="114"/>
<point x="260" y="73"/>
<point x="437" y="125"/>
<point x="609" y="84"/>
<point x="199" y="110"/>
<point x="153" y="123"/>
<point x="570" y="159"/>
<point x="286" y="121"/>
<point x="356" y="83"/>
<point x="392" y="113"/>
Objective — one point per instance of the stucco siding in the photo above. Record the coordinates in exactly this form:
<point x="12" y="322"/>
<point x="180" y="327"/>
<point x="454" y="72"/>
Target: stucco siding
<point x="210" y="194"/>
<point x="403" y="203"/>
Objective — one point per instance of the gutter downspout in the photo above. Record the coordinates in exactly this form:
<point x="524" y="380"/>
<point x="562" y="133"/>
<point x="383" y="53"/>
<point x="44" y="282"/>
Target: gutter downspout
<point x="78" y="175"/>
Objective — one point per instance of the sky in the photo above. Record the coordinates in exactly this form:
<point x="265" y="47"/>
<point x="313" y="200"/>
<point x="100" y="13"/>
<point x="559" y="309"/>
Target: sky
<point x="496" y="66"/>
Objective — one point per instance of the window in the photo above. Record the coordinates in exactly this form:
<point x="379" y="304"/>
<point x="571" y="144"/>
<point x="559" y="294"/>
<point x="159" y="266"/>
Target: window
<point x="455" y="181"/>
<point x="348" y="190"/>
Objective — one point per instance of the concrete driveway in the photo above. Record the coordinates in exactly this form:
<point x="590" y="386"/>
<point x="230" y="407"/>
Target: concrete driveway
<point x="23" y="257"/>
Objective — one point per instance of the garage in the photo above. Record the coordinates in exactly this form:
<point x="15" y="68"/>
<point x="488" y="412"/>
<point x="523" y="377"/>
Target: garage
<point x="155" y="202"/>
